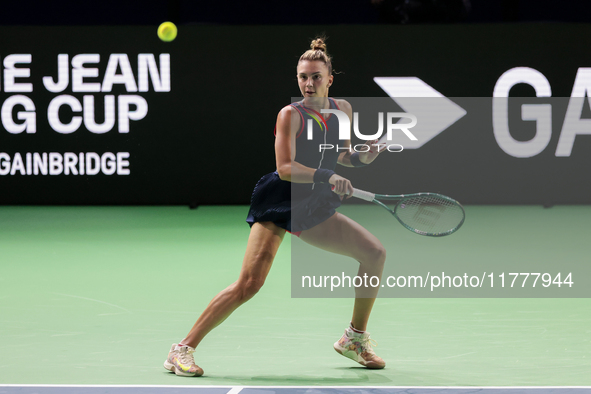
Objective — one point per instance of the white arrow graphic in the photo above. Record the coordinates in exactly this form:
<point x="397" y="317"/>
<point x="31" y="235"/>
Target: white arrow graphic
<point x="434" y="111"/>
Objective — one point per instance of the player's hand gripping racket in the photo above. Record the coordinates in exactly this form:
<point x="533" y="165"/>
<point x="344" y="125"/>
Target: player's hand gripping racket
<point x="430" y="214"/>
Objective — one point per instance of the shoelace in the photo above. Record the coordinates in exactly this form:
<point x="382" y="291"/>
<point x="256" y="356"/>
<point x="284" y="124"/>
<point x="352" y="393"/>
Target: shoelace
<point x="187" y="356"/>
<point x="368" y="344"/>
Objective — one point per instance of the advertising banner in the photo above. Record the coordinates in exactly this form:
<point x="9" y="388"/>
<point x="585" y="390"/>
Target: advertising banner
<point x="113" y="115"/>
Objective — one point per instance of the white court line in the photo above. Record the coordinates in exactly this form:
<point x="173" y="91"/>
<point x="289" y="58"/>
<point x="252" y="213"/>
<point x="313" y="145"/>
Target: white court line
<point x="92" y="299"/>
<point x="291" y="387"/>
<point x="235" y="390"/>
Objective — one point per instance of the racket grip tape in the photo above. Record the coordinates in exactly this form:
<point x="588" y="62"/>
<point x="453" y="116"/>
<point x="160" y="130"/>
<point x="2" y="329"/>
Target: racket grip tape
<point x="362" y="194"/>
<point x="367" y="196"/>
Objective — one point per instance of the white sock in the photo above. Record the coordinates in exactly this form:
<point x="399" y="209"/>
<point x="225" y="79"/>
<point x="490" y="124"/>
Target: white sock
<point x="356" y="331"/>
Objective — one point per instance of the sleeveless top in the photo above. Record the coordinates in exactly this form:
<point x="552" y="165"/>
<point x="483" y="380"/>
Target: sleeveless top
<point x="300" y="206"/>
<point x="325" y="130"/>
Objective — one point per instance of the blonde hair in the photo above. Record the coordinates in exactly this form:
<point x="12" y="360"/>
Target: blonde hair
<point x="318" y="52"/>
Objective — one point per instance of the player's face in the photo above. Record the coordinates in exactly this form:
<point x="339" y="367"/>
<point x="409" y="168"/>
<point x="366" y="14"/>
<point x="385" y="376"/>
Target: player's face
<point x="313" y="78"/>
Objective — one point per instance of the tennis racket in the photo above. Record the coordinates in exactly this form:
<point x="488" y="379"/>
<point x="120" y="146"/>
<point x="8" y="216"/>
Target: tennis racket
<point x="429" y="214"/>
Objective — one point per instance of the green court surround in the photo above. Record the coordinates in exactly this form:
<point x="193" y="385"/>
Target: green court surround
<point x="96" y="295"/>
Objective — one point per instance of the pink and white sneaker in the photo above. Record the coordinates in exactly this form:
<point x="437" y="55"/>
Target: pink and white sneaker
<point x="180" y="361"/>
<point x="358" y="347"/>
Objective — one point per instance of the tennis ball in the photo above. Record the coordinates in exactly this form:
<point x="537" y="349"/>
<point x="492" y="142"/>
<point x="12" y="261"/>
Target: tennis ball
<point x="167" y="31"/>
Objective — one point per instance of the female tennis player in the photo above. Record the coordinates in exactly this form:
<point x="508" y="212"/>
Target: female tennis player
<point x="297" y="197"/>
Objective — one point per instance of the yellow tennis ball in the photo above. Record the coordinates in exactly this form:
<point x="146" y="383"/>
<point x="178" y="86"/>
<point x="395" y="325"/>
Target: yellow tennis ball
<point x="167" y="31"/>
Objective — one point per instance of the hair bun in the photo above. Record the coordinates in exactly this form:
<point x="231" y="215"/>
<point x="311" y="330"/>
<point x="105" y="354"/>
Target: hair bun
<point x="318" y="53"/>
<point x="318" y="45"/>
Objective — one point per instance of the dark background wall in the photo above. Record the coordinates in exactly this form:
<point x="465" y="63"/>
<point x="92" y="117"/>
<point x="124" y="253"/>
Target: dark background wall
<point x="140" y="12"/>
<point x="210" y="138"/>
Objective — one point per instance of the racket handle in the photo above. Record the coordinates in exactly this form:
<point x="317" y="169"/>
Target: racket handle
<point x="362" y="194"/>
<point x="367" y="196"/>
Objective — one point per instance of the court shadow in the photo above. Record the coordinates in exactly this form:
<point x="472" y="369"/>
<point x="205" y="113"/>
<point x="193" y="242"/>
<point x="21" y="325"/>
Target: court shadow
<point x="356" y="376"/>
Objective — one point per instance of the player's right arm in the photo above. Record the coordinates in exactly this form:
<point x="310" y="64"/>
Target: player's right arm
<point x="285" y="149"/>
<point x="288" y="125"/>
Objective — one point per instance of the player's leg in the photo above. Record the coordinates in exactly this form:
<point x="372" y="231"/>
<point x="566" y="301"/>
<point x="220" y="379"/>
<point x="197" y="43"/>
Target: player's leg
<point x="343" y="236"/>
<point x="263" y="242"/>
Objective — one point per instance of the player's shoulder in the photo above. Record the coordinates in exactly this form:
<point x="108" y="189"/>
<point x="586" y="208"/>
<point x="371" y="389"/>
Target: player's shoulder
<point x="285" y="114"/>
<point x="286" y="111"/>
<point x="343" y="105"/>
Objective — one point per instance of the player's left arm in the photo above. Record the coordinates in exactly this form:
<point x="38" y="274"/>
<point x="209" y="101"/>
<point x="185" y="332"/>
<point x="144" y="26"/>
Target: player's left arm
<point x="367" y="155"/>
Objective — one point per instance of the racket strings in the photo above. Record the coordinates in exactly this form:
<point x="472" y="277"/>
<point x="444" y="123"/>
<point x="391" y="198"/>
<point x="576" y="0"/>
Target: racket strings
<point x="430" y="215"/>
